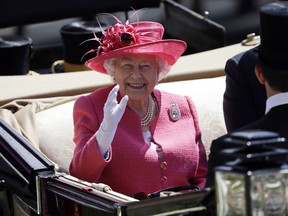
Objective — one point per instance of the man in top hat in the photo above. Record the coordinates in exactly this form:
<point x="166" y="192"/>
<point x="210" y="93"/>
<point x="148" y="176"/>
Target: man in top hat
<point x="272" y="71"/>
<point x="245" y="97"/>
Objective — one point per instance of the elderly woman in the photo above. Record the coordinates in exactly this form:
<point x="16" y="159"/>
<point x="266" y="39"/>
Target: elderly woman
<point x="129" y="135"/>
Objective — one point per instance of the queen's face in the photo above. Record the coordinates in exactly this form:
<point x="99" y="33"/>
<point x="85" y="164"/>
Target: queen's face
<point x="136" y="75"/>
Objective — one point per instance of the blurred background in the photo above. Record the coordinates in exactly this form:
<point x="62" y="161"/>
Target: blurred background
<point x="239" y="17"/>
<point x="223" y="22"/>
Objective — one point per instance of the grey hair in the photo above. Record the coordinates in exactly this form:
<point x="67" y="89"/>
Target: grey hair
<point x="109" y="65"/>
<point x="163" y="67"/>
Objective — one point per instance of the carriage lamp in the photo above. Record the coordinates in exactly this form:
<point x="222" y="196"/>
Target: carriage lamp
<point x="256" y="182"/>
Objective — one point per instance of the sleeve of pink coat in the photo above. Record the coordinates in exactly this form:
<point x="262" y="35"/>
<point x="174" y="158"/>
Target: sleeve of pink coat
<point x="87" y="162"/>
<point x="200" y="176"/>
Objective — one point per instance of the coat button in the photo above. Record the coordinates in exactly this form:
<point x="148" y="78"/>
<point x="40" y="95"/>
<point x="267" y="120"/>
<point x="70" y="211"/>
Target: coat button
<point x="163" y="165"/>
<point x="163" y="179"/>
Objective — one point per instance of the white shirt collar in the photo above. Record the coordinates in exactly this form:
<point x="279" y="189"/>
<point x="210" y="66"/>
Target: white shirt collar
<point x="276" y="100"/>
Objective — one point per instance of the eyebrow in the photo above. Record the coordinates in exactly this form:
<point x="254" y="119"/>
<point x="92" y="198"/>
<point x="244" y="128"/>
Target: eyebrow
<point x="128" y="59"/>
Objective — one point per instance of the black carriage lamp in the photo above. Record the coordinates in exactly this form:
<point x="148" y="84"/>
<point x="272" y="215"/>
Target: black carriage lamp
<point x="256" y="183"/>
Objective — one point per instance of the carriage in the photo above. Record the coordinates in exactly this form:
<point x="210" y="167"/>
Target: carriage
<point x="36" y="114"/>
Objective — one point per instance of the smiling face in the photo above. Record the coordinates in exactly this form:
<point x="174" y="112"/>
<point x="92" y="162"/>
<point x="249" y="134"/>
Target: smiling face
<point x="136" y="75"/>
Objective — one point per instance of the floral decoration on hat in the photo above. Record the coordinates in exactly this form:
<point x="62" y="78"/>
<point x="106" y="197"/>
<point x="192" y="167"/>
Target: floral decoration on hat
<point x="134" y="38"/>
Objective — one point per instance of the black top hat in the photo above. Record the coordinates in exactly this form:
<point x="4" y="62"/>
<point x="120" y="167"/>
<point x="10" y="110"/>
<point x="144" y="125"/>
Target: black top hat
<point x="73" y="36"/>
<point x="273" y="50"/>
<point x="15" y="53"/>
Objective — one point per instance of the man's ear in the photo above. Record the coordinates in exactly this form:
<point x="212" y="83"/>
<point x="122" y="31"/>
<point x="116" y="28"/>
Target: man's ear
<point x="259" y="74"/>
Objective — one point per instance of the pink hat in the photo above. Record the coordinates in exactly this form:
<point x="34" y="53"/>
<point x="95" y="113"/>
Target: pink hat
<point x="135" y="38"/>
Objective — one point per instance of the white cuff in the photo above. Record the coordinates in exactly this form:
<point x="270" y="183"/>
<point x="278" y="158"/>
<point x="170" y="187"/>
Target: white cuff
<point x="104" y="140"/>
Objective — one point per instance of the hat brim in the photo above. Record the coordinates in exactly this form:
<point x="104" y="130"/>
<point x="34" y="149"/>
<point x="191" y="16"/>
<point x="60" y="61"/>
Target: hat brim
<point x="169" y="50"/>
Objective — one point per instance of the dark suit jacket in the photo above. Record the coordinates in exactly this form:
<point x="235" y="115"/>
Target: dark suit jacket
<point x="244" y="98"/>
<point x="276" y="120"/>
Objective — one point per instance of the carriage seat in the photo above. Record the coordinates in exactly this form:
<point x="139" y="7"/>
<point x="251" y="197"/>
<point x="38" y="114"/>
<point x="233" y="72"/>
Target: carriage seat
<point x="54" y="126"/>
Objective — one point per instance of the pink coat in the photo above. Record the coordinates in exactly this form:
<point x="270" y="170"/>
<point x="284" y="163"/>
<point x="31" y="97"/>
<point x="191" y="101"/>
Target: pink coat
<point x="133" y="165"/>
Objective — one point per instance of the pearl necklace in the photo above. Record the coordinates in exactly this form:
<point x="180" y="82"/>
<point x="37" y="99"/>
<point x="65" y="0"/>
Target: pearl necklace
<point x="145" y="121"/>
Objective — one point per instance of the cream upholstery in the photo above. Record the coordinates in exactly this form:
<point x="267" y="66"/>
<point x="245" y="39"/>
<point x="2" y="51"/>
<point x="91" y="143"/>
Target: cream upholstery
<point x="54" y="126"/>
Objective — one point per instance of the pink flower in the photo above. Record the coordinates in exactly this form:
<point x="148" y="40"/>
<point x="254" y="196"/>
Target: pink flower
<point x="117" y="36"/>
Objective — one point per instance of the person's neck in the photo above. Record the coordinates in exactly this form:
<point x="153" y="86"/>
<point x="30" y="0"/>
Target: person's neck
<point x="270" y="92"/>
<point x="139" y="106"/>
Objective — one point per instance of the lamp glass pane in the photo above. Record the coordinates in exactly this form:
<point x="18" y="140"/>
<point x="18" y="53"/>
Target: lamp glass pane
<point x="230" y="194"/>
<point x="268" y="194"/>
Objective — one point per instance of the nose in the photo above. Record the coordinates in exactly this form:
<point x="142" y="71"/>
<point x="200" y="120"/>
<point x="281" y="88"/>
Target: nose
<point x="136" y="74"/>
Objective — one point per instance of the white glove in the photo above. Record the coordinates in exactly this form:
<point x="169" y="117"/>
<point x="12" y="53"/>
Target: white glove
<point x="113" y="113"/>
